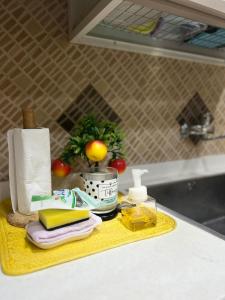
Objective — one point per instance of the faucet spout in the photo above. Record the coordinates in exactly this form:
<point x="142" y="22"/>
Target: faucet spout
<point x="203" y="130"/>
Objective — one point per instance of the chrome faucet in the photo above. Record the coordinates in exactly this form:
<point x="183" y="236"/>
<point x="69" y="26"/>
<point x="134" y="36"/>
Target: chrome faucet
<point x="203" y="130"/>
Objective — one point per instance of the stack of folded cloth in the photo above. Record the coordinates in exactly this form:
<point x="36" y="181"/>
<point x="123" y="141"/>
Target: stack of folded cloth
<point x="48" y="234"/>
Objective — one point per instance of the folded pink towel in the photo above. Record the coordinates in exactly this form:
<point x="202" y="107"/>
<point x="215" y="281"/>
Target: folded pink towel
<point x="39" y="234"/>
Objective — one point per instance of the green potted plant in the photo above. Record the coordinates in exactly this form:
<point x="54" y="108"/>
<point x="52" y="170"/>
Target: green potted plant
<point x="94" y="141"/>
<point x="97" y="142"/>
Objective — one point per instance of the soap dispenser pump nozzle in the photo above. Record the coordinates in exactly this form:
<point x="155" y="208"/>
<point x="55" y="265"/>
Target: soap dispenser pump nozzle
<point x="137" y="176"/>
<point x="138" y="193"/>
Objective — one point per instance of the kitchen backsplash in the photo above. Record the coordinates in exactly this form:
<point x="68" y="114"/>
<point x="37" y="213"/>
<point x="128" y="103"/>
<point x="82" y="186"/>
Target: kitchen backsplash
<point x="145" y="94"/>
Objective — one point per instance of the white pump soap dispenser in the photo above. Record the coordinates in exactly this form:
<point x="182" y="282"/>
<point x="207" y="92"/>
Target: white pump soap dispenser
<point x="138" y="193"/>
<point x="141" y="211"/>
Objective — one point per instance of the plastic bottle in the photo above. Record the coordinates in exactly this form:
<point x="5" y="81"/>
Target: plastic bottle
<point x="140" y="211"/>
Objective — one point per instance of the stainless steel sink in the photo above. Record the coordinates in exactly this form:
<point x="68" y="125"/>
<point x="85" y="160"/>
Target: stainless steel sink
<point x="202" y="200"/>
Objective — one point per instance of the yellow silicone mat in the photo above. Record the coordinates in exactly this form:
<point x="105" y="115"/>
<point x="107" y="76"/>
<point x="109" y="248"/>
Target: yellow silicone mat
<point x="18" y="256"/>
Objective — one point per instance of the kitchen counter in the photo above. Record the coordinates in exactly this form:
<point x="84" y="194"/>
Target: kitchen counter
<point x="187" y="263"/>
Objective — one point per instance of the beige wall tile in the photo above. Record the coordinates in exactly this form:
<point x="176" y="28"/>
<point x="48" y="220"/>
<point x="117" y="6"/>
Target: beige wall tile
<point x="38" y="64"/>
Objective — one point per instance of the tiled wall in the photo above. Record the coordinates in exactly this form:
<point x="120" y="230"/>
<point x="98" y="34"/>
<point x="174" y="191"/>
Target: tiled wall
<point x="38" y="64"/>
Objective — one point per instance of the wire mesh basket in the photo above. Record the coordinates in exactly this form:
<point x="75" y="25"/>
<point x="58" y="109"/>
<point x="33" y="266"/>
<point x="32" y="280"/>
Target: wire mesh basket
<point x="136" y="19"/>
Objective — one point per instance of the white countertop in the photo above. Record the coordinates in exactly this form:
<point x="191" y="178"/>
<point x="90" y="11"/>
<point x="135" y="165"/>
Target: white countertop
<point x="187" y="263"/>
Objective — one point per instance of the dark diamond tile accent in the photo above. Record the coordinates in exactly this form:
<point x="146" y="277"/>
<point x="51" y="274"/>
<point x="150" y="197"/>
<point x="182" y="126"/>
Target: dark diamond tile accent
<point x="192" y="114"/>
<point x="88" y="102"/>
<point x="66" y="123"/>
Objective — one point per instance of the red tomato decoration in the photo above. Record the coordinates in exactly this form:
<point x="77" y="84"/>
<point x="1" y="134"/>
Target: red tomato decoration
<point x="119" y="164"/>
<point x="60" y="168"/>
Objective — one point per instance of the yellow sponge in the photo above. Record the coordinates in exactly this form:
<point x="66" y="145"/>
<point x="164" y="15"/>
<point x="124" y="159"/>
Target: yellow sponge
<point x="55" y="218"/>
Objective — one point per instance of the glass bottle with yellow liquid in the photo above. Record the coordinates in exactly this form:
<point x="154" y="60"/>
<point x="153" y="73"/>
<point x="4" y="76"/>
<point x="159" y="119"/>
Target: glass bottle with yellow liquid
<point x="138" y="210"/>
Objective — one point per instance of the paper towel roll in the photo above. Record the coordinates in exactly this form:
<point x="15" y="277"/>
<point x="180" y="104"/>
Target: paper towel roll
<point x="29" y="166"/>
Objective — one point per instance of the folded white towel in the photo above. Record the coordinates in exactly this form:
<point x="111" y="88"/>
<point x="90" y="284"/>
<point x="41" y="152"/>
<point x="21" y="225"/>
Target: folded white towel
<point x="29" y="166"/>
<point x="40" y="235"/>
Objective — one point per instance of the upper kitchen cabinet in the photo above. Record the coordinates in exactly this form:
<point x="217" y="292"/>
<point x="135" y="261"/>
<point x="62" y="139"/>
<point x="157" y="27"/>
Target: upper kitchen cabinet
<point x="185" y="29"/>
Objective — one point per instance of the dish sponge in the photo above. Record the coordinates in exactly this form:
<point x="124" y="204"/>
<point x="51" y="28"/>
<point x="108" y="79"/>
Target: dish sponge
<point x="56" y="218"/>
